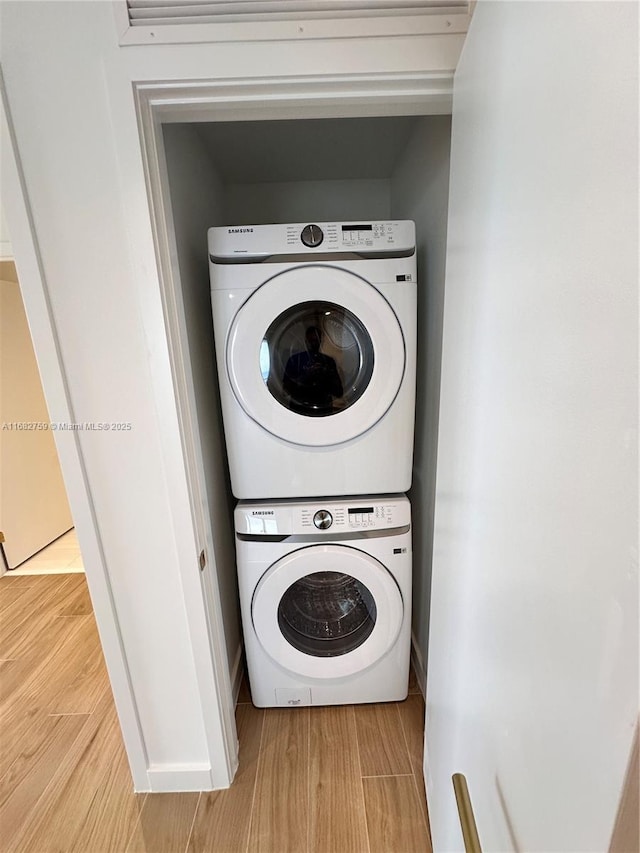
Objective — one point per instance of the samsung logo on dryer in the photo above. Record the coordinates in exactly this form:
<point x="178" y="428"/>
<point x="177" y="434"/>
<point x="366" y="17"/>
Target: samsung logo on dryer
<point x="239" y="230"/>
<point x="262" y="512"/>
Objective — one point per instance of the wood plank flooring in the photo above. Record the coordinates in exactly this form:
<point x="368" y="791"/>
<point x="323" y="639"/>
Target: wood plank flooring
<point x="345" y="779"/>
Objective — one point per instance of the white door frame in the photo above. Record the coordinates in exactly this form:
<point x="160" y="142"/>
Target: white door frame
<point x="250" y="99"/>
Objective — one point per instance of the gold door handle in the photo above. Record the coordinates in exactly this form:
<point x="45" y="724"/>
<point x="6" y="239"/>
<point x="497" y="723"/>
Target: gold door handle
<point x="465" y="813"/>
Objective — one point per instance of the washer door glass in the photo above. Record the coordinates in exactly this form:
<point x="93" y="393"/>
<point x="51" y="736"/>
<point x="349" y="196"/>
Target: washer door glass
<point x="327" y="611"/>
<point x="327" y="614"/>
<point x="316" y="358"/>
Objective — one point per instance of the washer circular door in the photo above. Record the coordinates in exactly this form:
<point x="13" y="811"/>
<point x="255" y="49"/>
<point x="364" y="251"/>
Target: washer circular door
<point x="327" y="611"/>
<point x="316" y="355"/>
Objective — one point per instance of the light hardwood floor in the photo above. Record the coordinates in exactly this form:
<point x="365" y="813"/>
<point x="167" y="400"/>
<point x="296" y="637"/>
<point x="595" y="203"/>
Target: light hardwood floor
<point x="344" y="779"/>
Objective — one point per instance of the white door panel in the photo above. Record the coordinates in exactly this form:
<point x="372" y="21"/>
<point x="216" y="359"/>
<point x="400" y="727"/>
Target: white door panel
<point x="532" y="683"/>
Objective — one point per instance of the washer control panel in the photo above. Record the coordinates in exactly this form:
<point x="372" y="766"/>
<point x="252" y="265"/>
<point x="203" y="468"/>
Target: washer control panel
<point x="324" y="517"/>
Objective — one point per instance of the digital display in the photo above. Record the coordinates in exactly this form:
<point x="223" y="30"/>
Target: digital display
<point x="355" y="511"/>
<point x="357" y="227"/>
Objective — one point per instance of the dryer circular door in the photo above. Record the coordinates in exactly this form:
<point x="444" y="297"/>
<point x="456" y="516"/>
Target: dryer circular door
<point x="316" y="356"/>
<point x="327" y="611"/>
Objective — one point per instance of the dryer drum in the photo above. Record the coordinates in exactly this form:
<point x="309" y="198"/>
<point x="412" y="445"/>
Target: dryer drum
<point x="326" y="614"/>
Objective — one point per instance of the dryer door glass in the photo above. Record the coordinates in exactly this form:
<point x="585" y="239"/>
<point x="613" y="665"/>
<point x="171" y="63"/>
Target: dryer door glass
<point x="326" y="614"/>
<point x="312" y="342"/>
<point x="316" y="359"/>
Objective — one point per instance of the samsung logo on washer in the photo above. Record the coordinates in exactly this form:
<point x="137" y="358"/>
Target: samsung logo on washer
<point x="262" y="512"/>
<point x="240" y="230"/>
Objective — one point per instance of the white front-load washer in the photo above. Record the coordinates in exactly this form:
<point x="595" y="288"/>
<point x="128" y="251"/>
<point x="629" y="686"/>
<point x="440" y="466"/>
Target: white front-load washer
<point x="315" y="332"/>
<point x="325" y="595"/>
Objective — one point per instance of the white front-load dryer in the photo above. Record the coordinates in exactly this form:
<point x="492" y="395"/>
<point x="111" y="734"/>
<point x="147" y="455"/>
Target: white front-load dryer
<point x="315" y="332"/>
<point x="325" y="595"/>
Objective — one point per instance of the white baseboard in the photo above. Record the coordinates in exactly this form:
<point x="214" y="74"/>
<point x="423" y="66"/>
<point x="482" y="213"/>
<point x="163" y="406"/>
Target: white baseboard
<point x="418" y="665"/>
<point x="236" y="674"/>
<point x="417" y="662"/>
<point x="170" y="778"/>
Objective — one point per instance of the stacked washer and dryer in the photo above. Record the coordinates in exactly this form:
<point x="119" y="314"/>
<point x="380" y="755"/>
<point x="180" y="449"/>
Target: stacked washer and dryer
<point x="315" y="332"/>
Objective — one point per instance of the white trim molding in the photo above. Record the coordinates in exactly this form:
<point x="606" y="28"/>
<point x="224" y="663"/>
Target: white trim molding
<point x="167" y="778"/>
<point x="261" y="98"/>
<point x="209" y="644"/>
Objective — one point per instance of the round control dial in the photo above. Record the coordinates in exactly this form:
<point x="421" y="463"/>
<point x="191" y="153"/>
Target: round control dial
<point x="323" y="519"/>
<point x="312" y="236"/>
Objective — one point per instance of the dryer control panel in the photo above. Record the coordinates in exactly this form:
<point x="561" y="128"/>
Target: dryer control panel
<point x="322" y="517"/>
<point x="379" y="238"/>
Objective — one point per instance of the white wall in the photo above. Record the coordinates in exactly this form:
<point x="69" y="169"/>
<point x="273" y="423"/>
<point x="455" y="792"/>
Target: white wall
<point x="69" y="89"/>
<point x="533" y="663"/>
<point x="313" y="201"/>
<point x="420" y="191"/>
<point x="6" y="251"/>
<point x="34" y="509"/>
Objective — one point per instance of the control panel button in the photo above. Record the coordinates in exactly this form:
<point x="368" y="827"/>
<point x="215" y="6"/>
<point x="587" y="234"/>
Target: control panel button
<point x="312" y="236"/>
<point x="323" y="519"/>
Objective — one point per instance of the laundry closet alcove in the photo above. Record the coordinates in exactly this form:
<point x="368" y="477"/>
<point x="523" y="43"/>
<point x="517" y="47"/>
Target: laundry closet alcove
<point x="233" y="164"/>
